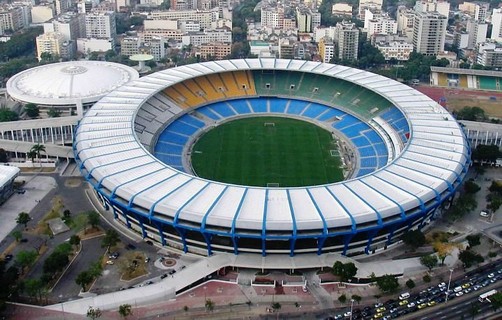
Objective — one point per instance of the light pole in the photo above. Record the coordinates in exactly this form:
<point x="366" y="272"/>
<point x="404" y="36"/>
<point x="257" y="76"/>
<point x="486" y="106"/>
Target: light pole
<point x="448" y="288"/>
<point x="351" y="306"/>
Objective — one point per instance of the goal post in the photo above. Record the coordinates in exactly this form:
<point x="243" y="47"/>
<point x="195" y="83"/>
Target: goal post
<point x="269" y="124"/>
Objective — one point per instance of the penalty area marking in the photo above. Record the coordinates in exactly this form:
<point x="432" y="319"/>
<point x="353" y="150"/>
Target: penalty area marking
<point x="272" y="185"/>
<point x="334" y="153"/>
<point x="269" y="124"/>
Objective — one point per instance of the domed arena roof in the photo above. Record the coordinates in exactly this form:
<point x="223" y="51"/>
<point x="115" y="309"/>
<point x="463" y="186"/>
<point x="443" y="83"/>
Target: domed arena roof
<point x="64" y="83"/>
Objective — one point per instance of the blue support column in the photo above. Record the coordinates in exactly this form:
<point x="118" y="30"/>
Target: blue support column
<point x="292" y="243"/>
<point x="236" y="245"/>
<point x="208" y="237"/>
<point x="115" y="215"/>
<point x="263" y="247"/>
<point x="371" y="234"/>
<point x="346" y="241"/>
<point x="182" y="233"/>
<point x="320" y="244"/>
<point x="158" y="224"/>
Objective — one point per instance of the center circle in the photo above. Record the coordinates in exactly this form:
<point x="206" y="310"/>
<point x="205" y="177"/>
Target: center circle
<point x="267" y="151"/>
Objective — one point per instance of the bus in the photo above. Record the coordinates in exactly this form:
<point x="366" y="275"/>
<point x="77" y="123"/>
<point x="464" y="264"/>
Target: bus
<point x="484" y="297"/>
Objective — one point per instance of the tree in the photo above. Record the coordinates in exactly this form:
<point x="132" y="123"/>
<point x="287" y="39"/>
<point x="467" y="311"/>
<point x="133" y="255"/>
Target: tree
<point x="414" y="238"/>
<point x="38" y="148"/>
<point x="96" y="269"/>
<point x="23" y="218"/>
<point x="410" y="284"/>
<point x="7" y="115"/>
<point x="488" y="153"/>
<point x="471" y="187"/>
<point x="276" y="306"/>
<point x="185" y="308"/>
<point x="66" y="213"/>
<point x="26" y="258"/>
<point x="93" y="219"/>
<point x="3" y="156"/>
<point x="93" y="313"/>
<point x="33" y="287"/>
<point x="345" y="271"/>
<point x="473" y="239"/>
<point x="342" y="298"/>
<point x="427" y="278"/>
<point x="110" y="239"/>
<point x="83" y="279"/>
<point x="430" y="261"/>
<point x="387" y="283"/>
<point x="32" y="110"/>
<point x="55" y="262"/>
<point x="471" y="113"/>
<point x="209" y="305"/>
<point x="17" y="235"/>
<point x="74" y="240"/>
<point x="356" y="298"/>
<point x="469" y="258"/>
<point x="496" y="300"/>
<point x="125" y="310"/>
<point x="31" y="155"/>
<point x="53" y="113"/>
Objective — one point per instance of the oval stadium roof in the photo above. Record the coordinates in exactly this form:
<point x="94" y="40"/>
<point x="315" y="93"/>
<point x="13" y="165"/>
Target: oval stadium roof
<point x="112" y="155"/>
<point x="66" y="82"/>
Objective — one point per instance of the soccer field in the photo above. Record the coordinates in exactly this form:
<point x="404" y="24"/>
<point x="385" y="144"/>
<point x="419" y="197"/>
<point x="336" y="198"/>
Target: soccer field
<point x="267" y="151"/>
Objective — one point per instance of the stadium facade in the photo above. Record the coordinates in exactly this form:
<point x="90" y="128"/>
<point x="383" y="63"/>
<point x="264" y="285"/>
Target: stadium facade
<point x="410" y="157"/>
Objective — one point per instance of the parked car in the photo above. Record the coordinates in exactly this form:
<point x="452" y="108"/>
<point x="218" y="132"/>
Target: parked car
<point x="163" y="276"/>
<point x="130" y="247"/>
<point x="110" y="262"/>
<point x="8" y="257"/>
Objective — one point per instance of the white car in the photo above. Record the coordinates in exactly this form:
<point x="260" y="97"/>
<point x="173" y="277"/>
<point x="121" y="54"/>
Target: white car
<point x="442" y="285"/>
<point x="459" y="294"/>
<point x="411" y="305"/>
<point x="484" y="214"/>
<point x="491" y="275"/>
<point x="347" y="314"/>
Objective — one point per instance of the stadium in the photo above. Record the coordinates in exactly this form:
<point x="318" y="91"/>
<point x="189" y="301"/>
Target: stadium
<point x="401" y="156"/>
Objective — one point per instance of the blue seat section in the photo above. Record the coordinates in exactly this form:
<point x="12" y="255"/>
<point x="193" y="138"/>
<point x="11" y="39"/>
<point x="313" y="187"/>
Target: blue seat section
<point x="314" y="110"/>
<point x="363" y="172"/>
<point x="355" y="130"/>
<point x="241" y="106"/>
<point x="258" y="105"/>
<point x="208" y="113"/>
<point x="168" y="148"/>
<point x="330" y="115"/>
<point x="347" y="120"/>
<point x="360" y="142"/>
<point x="296" y="106"/>
<point x="370" y="162"/>
<point x="396" y="119"/>
<point x="382" y="161"/>
<point x="170" y="159"/>
<point x="191" y="120"/>
<point x="181" y="127"/>
<point x="278" y="105"/>
<point x="222" y="109"/>
<point x="373" y="136"/>
<point x="367" y="151"/>
<point x="173" y="137"/>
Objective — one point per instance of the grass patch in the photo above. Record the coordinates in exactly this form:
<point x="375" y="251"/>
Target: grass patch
<point x="57" y="207"/>
<point x="77" y="222"/>
<point x="291" y="153"/>
<point x="129" y="269"/>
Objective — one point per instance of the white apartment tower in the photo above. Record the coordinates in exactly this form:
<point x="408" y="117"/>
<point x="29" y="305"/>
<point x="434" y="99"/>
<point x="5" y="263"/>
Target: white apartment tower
<point x="100" y="25"/>
<point x="442" y="7"/>
<point x="49" y="42"/>
<point x="347" y="40"/>
<point x="272" y="17"/>
<point x="497" y="25"/>
<point x="429" y="32"/>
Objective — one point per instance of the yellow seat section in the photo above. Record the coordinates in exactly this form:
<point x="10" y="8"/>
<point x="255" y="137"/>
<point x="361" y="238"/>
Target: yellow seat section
<point x="176" y="97"/>
<point x="212" y="92"/>
<point x="245" y="82"/>
<point x="233" y="90"/>
<point x="191" y="98"/>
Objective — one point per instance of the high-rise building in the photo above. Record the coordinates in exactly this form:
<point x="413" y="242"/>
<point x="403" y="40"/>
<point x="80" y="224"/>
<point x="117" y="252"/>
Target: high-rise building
<point x="100" y="25"/>
<point x="304" y="20"/>
<point x="374" y="6"/>
<point x="62" y="6"/>
<point x="49" y="43"/>
<point x="477" y="31"/>
<point x="326" y="49"/>
<point x="347" y="40"/>
<point x="489" y="55"/>
<point x="70" y="25"/>
<point x="429" y="32"/>
<point x="497" y="25"/>
<point x="481" y="11"/>
<point x="272" y="16"/>
<point x="440" y="6"/>
<point x="12" y="18"/>
<point x="42" y="13"/>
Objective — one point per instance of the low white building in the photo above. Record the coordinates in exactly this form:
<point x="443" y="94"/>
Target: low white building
<point x="88" y="45"/>
<point x="398" y="50"/>
<point x="7" y="176"/>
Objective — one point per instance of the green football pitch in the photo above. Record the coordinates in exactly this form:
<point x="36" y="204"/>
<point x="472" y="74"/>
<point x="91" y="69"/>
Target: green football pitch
<point x="267" y="151"/>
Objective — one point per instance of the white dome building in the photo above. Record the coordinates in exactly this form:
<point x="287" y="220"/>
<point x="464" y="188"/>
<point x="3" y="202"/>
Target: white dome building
<point x="69" y="85"/>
